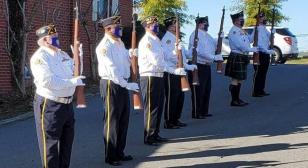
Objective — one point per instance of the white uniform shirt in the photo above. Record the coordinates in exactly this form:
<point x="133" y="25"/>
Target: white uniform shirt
<point x="206" y="47"/>
<point x="151" y="56"/>
<point x="52" y="71"/>
<point x="239" y="41"/>
<point x="263" y="38"/>
<point x="113" y="60"/>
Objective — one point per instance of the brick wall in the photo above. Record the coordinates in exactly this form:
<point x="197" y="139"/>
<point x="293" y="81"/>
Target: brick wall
<point x="64" y="24"/>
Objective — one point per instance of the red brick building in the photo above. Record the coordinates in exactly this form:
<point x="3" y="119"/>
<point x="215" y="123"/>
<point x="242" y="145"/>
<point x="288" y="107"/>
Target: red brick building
<point x="64" y="24"/>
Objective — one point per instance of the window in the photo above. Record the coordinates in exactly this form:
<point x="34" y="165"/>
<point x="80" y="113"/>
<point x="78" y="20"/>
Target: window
<point x="99" y="9"/>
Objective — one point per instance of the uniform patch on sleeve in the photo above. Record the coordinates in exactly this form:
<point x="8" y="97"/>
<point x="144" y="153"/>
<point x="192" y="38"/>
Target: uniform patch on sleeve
<point x="38" y="61"/>
<point x="149" y="46"/>
<point x="168" y="41"/>
<point x="104" y="51"/>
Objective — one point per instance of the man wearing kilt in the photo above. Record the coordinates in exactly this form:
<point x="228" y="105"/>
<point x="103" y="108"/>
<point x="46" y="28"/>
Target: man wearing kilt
<point x="151" y="68"/>
<point x="114" y="70"/>
<point x="264" y="54"/>
<point x="174" y="95"/>
<point x="238" y="59"/>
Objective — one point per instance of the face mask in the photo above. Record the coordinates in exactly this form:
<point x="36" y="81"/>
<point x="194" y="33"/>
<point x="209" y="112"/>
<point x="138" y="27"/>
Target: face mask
<point x="206" y="27"/>
<point x="242" y="22"/>
<point x="117" y="31"/>
<point x="155" y="28"/>
<point x="55" y="42"/>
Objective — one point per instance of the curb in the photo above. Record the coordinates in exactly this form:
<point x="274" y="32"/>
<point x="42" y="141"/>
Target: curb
<point x="17" y="118"/>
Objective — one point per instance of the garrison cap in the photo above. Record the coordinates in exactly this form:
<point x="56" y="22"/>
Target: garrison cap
<point x="170" y="21"/>
<point x="237" y="15"/>
<point x="109" y="21"/>
<point x="149" y="20"/>
<point x="202" y="20"/>
<point x="46" y="30"/>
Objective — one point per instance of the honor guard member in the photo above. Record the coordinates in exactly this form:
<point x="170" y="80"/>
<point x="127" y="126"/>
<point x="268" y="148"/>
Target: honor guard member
<point x="206" y="56"/>
<point x="264" y="57"/>
<point x="52" y="70"/>
<point x="173" y="92"/>
<point x="238" y="59"/>
<point x="114" y="70"/>
<point x="151" y="68"/>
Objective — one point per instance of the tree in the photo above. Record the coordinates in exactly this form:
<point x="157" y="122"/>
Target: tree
<point x="163" y="9"/>
<point x="250" y="7"/>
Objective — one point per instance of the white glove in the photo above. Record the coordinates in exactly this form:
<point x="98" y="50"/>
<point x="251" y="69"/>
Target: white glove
<point x="80" y="50"/>
<point x="179" y="46"/>
<point x="274" y="31"/>
<point x="254" y="49"/>
<point x="218" y="57"/>
<point x="133" y="52"/>
<point x="271" y="52"/>
<point x="77" y="81"/>
<point x="191" y="67"/>
<point x="132" y="86"/>
<point x="179" y="71"/>
<point x="222" y="35"/>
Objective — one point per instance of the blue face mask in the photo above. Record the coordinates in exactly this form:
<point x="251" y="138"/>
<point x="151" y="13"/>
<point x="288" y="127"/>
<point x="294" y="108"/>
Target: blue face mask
<point x="117" y="32"/>
<point x="55" y="42"/>
<point x="155" y="28"/>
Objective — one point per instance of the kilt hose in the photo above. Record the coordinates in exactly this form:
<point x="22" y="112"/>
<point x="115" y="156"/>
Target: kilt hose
<point x="116" y="119"/>
<point x="236" y="66"/>
<point x="260" y="74"/>
<point x="55" y="131"/>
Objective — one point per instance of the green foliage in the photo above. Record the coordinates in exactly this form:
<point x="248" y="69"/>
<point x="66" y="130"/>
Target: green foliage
<point x="250" y="8"/>
<point x="163" y="9"/>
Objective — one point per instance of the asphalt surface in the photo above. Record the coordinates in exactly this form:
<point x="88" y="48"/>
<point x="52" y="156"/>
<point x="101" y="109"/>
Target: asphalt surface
<point x="270" y="132"/>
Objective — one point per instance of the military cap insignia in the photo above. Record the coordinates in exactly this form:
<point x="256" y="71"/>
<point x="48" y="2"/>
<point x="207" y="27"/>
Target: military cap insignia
<point x="149" y="46"/>
<point x="168" y="41"/>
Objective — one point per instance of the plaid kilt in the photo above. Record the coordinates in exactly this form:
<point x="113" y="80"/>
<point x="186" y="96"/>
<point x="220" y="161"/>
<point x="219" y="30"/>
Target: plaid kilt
<point x="236" y="66"/>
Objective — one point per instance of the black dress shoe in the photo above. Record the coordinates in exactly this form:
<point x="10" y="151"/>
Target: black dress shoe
<point x="257" y="95"/>
<point x="161" y="139"/>
<point x="237" y="104"/>
<point x="180" y="124"/>
<point x="201" y="117"/>
<point x="127" y="158"/>
<point x="242" y="102"/>
<point x="113" y="162"/>
<point x="170" y="126"/>
<point x="209" y="115"/>
<point x="265" y="94"/>
<point x="151" y="143"/>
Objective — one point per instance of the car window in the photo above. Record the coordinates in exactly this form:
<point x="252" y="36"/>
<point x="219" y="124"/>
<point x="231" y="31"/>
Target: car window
<point x="284" y="32"/>
<point x="248" y="31"/>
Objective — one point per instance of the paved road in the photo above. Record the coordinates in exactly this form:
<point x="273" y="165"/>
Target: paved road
<point x="270" y="132"/>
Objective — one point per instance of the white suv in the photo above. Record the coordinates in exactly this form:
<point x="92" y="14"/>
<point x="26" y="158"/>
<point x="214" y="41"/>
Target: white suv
<point x="285" y="44"/>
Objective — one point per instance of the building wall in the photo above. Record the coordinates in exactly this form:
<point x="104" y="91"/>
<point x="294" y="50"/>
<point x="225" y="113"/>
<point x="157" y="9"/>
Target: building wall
<point x="64" y="24"/>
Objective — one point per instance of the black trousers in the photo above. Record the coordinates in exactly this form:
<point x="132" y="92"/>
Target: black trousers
<point x="260" y="73"/>
<point x="152" y="89"/>
<point x="55" y="131"/>
<point x="201" y="94"/>
<point x="174" y="98"/>
<point x="116" y="118"/>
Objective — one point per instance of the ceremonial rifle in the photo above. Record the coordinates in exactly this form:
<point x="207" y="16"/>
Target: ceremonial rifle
<point x="184" y="81"/>
<point x="194" y="54"/>
<point x="219" y="42"/>
<point x="134" y="62"/>
<point x="255" y="56"/>
<point x="78" y="67"/>
<point x="272" y="35"/>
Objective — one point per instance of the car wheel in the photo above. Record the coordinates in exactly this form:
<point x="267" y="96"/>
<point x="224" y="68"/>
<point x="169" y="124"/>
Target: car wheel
<point x="278" y="56"/>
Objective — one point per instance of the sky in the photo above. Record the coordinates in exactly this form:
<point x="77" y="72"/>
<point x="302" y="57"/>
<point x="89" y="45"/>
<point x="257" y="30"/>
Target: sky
<point x="296" y="10"/>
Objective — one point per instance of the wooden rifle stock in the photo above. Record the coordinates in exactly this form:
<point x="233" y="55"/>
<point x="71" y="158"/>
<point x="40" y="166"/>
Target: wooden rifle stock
<point x="79" y="93"/>
<point x="194" y="54"/>
<point x="219" y="67"/>
<point x="134" y="68"/>
<point x="184" y="82"/>
<point x="255" y="56"/>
